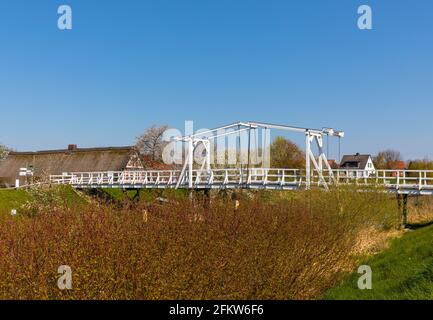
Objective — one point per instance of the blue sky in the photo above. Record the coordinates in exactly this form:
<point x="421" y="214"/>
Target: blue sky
<point x="129" y="64"/>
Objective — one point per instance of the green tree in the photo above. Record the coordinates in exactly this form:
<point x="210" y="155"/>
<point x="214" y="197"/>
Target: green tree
<point x="286" y="154"/>
<point x="424" y="164"/>
<point x="384" y="159"/>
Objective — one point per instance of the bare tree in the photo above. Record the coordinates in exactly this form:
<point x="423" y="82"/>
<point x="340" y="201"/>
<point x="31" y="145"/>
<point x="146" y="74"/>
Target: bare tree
<point x="150" y="142"/>
<point x="385" y="158"/>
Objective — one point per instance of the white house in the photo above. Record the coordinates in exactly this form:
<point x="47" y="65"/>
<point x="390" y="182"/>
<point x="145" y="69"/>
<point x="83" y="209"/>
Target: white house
<point x="358" y="165"/>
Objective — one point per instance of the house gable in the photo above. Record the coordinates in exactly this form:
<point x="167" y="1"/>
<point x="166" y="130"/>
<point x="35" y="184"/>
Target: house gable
<point x="357" y="162"/>
<point x="369" y="165"/>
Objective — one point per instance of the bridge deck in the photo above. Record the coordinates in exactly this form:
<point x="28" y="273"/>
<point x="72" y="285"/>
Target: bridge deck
<point x="396" y="181"/>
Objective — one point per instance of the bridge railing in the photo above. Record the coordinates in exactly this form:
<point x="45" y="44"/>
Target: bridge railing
<point x="253" y="177"/>
<point x="388" y="178"/>
<point x="117" y="177"/>
<point x="170" y="178"/>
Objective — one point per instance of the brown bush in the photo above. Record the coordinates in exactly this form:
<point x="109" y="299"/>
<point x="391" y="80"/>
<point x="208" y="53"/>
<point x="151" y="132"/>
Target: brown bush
<point x="278" y="246"/>
<point x="420" y="210"/>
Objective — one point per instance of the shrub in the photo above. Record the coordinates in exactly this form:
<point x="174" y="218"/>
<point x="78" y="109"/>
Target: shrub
<point x="280" y="246"/>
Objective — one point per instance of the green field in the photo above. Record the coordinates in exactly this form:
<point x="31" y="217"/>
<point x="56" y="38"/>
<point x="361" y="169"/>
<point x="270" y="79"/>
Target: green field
<point x="16" y="199"/>
<point x="404" y="271"/>
<point x="12" y="199"/>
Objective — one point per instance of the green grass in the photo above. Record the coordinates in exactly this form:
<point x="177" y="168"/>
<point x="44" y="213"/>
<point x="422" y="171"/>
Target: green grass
<point x="15" y="199"/>
<point x="404" y="271"/>
<point x="118" y="194"/>
<point x="70" y="196"/>
<point x="12" y="199"/>
<point x="147" y="195"/>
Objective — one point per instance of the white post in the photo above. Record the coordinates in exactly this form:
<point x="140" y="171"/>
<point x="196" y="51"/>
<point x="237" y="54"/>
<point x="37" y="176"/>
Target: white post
<point x="17" y="183"/>
<point x="307" y="160"/>
<point x="320" y="147"/>
<point x="208" y="151"/>
<point x="190" y="161"/>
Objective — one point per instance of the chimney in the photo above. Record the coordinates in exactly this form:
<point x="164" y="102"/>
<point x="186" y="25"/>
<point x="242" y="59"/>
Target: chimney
<point x="72" y="147"/>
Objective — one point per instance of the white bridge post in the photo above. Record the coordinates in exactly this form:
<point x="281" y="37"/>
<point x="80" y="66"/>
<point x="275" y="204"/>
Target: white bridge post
<point x="310" y="158"/>
<point x="307" y="160"/>
<point x="190" y="162"/>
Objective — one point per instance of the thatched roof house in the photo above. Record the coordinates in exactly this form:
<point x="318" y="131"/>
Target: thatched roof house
<point x="73" y="159"/>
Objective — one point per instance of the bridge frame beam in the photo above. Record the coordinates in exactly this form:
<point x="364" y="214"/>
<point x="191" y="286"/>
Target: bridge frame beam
<point x="311" y="159"/>
<point x="311" y="135"/>
<point x="193" y="143"/>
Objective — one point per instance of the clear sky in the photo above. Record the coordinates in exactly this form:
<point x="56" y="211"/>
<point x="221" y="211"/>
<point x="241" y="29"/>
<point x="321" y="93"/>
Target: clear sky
<point x="126" y="65"/>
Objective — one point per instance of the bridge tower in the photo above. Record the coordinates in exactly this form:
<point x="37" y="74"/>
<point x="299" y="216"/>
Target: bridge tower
<point x="311" y="135"/>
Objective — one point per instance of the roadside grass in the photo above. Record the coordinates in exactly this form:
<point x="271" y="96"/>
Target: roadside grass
<point x="404" y="271"/>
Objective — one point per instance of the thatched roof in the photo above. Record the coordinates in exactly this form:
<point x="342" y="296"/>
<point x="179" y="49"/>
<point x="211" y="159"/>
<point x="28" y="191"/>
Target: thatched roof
<point x="68" y="160"/>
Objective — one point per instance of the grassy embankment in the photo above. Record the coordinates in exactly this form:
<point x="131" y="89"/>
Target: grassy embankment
<point x="12" y="199"/>
<point x="18" y="199"/>
<point x="404" y="271"/>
